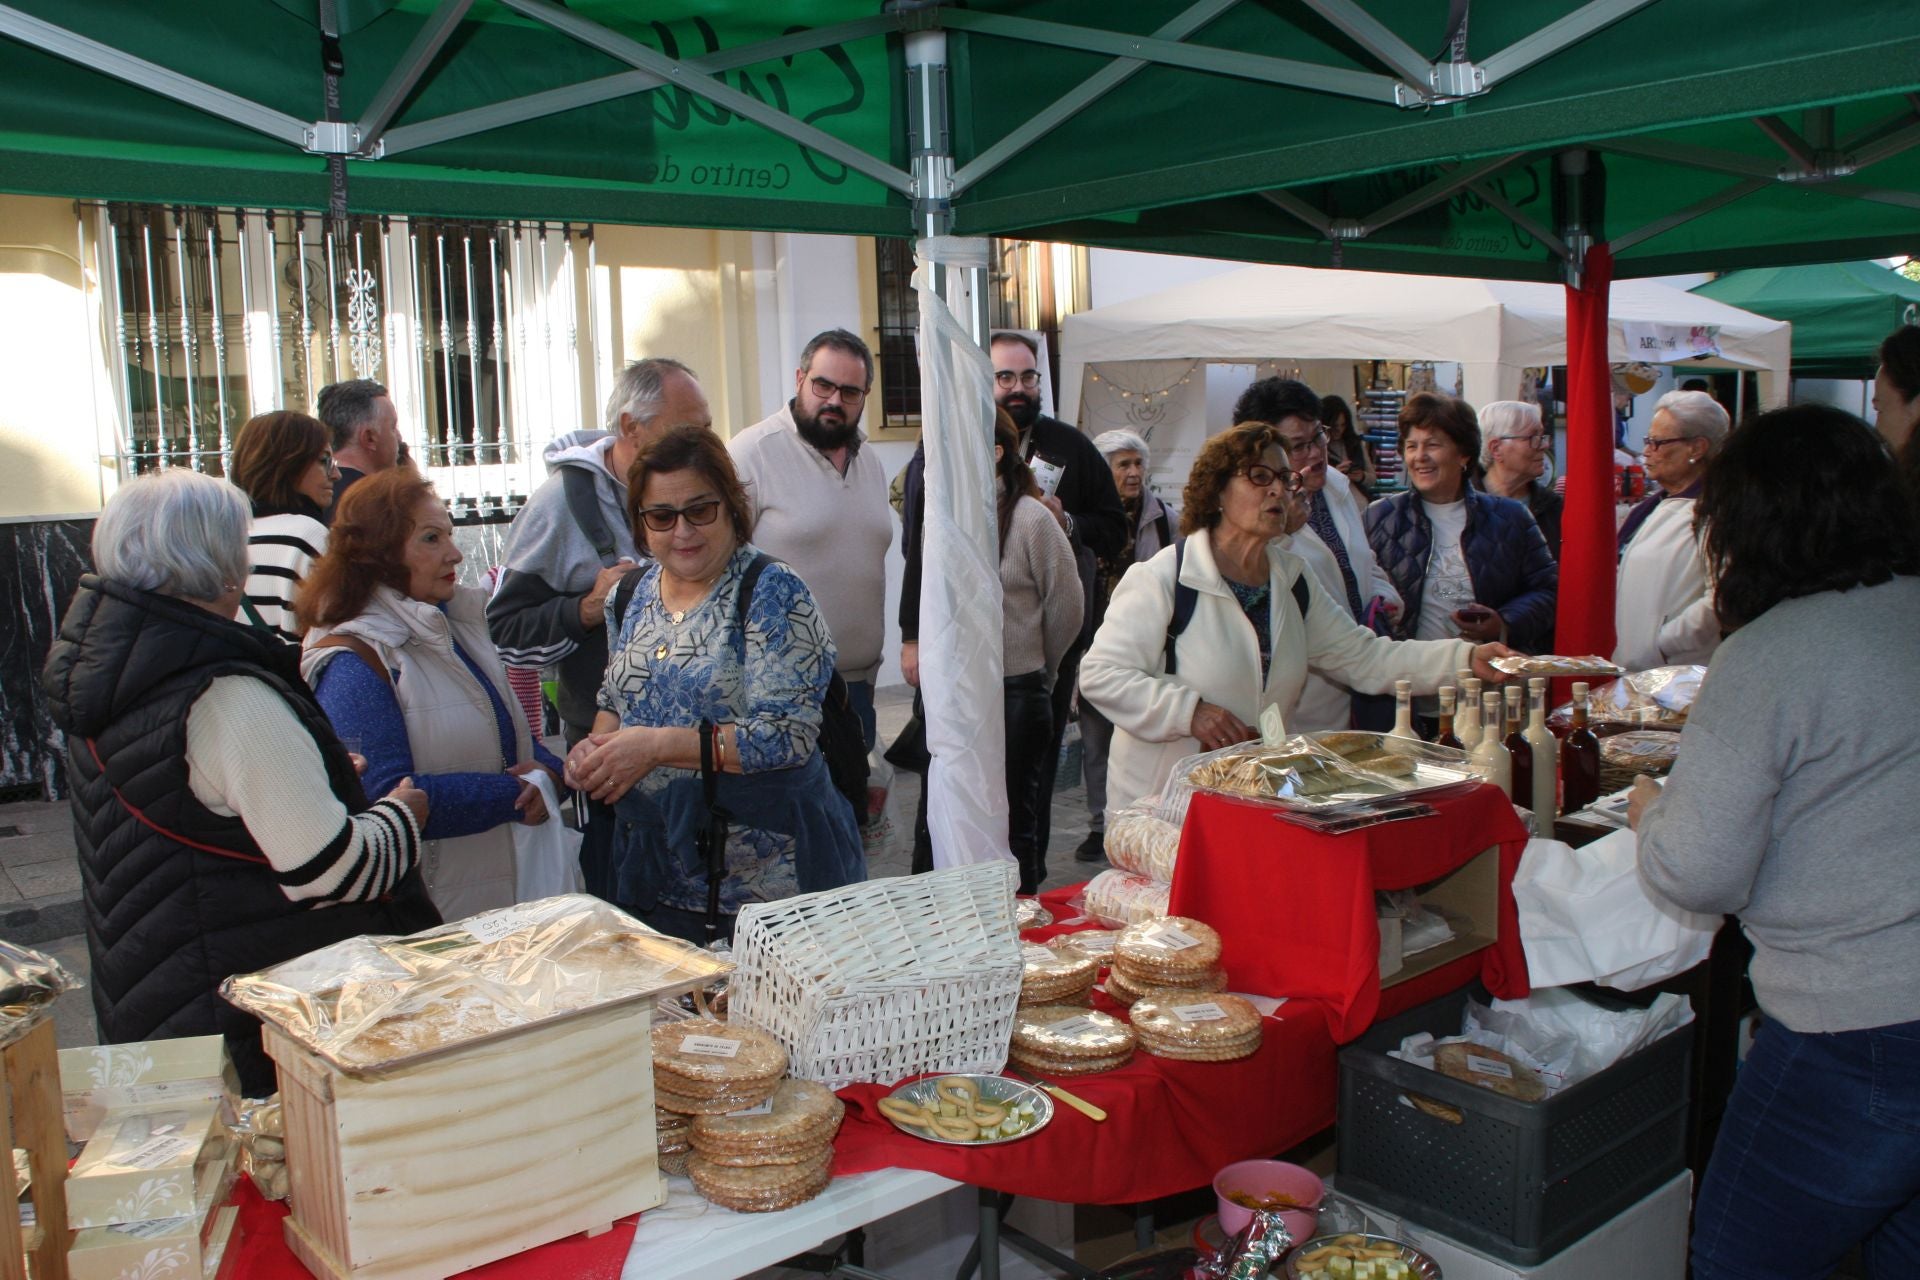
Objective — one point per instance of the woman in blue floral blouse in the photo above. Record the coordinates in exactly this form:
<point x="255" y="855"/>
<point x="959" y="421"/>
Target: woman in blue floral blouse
<point x="686" y="652"/>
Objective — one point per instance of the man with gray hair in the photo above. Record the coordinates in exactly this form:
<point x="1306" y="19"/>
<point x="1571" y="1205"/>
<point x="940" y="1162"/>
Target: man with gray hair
<point x="366" y="432"/>
<point x="1663" y="603"/>
<point x="571" y="544"/>
<point x="1151" y="525"/>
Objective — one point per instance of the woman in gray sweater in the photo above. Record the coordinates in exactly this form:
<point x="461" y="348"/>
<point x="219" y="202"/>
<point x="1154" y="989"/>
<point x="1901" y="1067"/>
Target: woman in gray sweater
<point x="1791" y="807"/>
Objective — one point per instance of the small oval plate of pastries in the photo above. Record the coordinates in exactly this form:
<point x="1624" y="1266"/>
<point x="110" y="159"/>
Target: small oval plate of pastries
<point x="968" y="1110"/>
<point x="1355" y="1256"/>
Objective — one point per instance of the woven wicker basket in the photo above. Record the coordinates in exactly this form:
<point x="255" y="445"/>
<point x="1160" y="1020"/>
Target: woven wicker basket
<point x="886" y="979"/>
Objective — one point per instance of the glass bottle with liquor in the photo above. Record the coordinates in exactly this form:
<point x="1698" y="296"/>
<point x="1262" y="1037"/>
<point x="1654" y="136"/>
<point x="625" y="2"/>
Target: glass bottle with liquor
<point x="1580" y="756"/>
<point x="1518" y="749"/>
<point x="1402" y="714"/>
<point x="1490" y="758"/>
<point x="1545" y="748"/>
<point x="1447" y="737"/>
<point x="1468" y="721"/>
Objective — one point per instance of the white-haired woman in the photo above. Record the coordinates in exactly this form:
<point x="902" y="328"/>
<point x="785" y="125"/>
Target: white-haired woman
<point x="1663" y="605"/>
<point x="221" y="825"/>
<point x="1151" y="525"/>
<point x="1514" y="445"/>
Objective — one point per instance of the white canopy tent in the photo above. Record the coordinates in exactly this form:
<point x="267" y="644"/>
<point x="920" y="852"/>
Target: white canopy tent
<point x="1299" y="315"/>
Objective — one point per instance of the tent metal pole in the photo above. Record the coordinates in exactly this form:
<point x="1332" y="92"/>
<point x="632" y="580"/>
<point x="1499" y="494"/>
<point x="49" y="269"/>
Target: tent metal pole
<point x="1797" y="148"/>
<point x="1372" y="35"/>
<point x="1660" y="226"/>
<point x="1555" y="36"/>
<point x="1227" y="62"/>
<point x="1891" y="145"/>
<point x="1434" y="192"/>
<point x="1083" y="95"/>
<point x="152" y="76"/>
<point x="680" y="74"/>
<point x="1553" y="243"/>
<point x="1289" y="203"/>
<point x="460" y="124"/>
<point x="406" y="73"/>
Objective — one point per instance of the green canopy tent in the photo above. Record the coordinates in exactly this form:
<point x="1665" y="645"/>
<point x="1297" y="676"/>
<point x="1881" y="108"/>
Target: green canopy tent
<point x="1839" y="311"/>
<point x="1555" y="139"/>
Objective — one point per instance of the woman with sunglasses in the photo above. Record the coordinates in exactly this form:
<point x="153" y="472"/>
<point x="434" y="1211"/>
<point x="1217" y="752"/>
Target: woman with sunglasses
<point x="399" y="656"/>
<point x="1252" y="634"/>
<point x="1513" y="462"/>
<point x="1663" y="604"/>
<point x="697" y="676"/>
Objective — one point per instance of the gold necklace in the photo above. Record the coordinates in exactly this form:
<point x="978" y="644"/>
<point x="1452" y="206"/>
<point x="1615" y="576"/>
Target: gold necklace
<point x="678" y="616"/>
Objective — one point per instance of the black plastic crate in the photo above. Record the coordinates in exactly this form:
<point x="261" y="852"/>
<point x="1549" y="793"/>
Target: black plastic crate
<point x="1518" y="1180"/>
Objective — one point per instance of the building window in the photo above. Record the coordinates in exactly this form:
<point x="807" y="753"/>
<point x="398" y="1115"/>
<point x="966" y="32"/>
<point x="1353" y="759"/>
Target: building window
<point x="209" y="316"/>
<point x="899" y="351"/>
<point x="1034" y="284"/>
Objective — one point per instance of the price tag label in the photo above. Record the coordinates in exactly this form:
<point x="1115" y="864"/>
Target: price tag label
<point x="1076" y="1026"/>
<point x="1207" y="1012"/>
<point x="1034" y="953"/>
<point x="1488" y="1067"/>
<point x="1093" y="942"/>
<point x="710" y="1046"/>
<point x="495" y="925"/>
<point x="763" y="1109"/>
<point x="157" y="1153"/>
<point x="1171" y="937"/>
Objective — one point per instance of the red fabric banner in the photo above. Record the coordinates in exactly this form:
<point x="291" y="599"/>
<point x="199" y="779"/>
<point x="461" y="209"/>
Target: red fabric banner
<point x="1295" y="909"/>
<point x="1587" y="559"/>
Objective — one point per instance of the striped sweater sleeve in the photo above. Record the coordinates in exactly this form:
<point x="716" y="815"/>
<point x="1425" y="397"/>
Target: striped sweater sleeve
<point x="249" y="757"/>
<point x="281" y="548"/>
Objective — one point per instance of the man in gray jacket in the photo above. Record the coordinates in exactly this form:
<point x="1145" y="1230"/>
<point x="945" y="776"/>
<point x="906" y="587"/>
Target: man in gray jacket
<point x="571" y="544"/>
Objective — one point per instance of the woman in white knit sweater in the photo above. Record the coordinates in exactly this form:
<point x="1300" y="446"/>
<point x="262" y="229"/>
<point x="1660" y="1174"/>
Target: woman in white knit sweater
<point x="1041" y="608"/>
<point x="283" y="462"/>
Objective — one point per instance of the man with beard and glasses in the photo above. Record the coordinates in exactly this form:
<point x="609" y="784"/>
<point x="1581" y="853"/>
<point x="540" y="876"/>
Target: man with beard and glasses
<point x="1082" y="498"/>
<point x="820" y="503"/>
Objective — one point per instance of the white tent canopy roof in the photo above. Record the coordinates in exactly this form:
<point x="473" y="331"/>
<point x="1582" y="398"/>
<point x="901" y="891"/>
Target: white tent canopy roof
<point x="1494" y="328"/>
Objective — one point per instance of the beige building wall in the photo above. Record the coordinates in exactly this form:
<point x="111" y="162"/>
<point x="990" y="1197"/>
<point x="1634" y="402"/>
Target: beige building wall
<point x="49" y="449"/>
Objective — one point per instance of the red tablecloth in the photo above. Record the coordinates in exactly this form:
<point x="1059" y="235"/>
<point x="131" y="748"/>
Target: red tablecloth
<point x="1295" y="909"/>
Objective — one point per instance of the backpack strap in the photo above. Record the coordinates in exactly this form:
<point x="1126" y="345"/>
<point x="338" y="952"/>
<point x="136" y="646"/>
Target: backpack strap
<point x="1185" y="598"/>
<point x="583" y="500"/>
<point x="1302" y="594"/>
<point x="622" y="597"/>
<point x="361" y="650"/>
<point x="749" y="579"/>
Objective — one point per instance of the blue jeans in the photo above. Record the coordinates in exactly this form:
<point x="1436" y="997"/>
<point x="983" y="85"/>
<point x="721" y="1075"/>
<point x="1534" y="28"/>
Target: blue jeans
<point x="1819" y="1151"/>
<point x="860" y="698"/>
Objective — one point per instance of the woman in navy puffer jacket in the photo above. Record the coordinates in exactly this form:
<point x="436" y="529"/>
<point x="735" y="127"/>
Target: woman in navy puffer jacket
<point x="1466" y="563"/>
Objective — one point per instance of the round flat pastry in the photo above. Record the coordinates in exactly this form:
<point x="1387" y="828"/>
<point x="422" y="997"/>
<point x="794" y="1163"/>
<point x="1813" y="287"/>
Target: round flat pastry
<point x="675" y="1162"/>
<point x="1029" y="913"/>
<point x="753" y="1160"/>
<point x="1041" y="1064"/>
<point x="1059" y="1031"/>
<point x="803" y="1114"/>
<point x="712" y="1106"/>
<point x="1174" y="946"/>
<point x="1489" y="1069"/>
<point x="761" y="1188"/>
<point x="1094" y="943"/>
<point x="1126" y="989"/>
<point x="717" y="1055"/>
<point x="1216" y="1027"/>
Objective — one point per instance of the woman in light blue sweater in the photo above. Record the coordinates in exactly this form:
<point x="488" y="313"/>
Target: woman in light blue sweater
<point x="1792" y="807"/>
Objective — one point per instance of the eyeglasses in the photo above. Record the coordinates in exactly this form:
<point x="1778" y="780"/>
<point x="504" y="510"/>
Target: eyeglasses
<point x="663" y="519"/>
<point x="1313" y="443"/>
<point x="1260" y="477"/>
<point x="325" y="461"/>
<point x="1536" y="441"/>
<point x="1026" y="378"/>
<point x="1652" y="445"/>
<point x="827" y="390"/>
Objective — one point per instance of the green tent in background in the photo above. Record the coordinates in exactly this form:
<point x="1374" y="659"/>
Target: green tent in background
<point x="1839" y="311"/>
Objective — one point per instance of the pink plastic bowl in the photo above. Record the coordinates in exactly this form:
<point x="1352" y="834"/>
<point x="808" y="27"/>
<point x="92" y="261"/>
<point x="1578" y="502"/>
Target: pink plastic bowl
<point x="1264" y="1178"/>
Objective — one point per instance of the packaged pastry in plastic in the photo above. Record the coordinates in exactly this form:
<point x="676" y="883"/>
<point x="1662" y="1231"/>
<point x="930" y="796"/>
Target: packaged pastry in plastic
<point x="1144" y="843"/>
<point x="1055" y="976"/>
<point x="1095" y="944"/>
<point x="1030" y="913"/>
<point x="1554" y="665"/>
<point x="1200" y="1028"/>
<point x="1657" y="696"/>
<point x="1120" y="898"/>
<point x="796" y="1124"/>
<point x="703" y="1066"/>
<point x="1648" y="751"/>
<point x="1321" y="771"/>
<point x="1056" y="1040"/>
<point x="376" y="1002"/>
<point x="29" y="981"/>
<point x="1125" y="990"/>
<point x="1173" y="951"/>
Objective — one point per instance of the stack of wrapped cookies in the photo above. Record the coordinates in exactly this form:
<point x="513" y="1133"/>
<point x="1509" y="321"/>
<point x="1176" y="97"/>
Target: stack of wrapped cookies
<point x="1055" y="975"/>
<point x="1197" y="1027"/>
<point x="1178" y="955"/>
<point x="1060" y="1040"/>
<point x="674" y="1133"/>
<point x="769" y="1157"/>
<point x="705" y="1067"/>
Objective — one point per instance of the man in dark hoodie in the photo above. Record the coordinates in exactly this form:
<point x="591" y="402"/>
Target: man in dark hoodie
<point x="571" y="544"/>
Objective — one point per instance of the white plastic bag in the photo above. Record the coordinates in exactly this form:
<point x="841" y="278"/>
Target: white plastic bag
<point x="1549" y="1028"/>
<point x="1586" y="916"/>
<point x="546" y="858"/>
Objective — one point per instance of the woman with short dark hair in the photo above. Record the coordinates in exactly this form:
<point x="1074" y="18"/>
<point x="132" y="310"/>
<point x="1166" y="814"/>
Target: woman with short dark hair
<point x="283" y="461"/>
<point x="220" y="823"/>
<point x="1465" y="563"/>
<point x="399" y="655"/>
<point x="1347" y="450"/>
<point x="1791" y="807"/>
<point x="696" y="671"/>
<point x="1896" y="402"/>
<point x="1259" y="621"/>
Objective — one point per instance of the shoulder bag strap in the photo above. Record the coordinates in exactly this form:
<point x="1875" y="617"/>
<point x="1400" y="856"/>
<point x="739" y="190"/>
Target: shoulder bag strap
<point x="583" y="500"/>
<point x="622" y="597"/>
<point x="1185" y="599"/>
<point x="361" y="650"/>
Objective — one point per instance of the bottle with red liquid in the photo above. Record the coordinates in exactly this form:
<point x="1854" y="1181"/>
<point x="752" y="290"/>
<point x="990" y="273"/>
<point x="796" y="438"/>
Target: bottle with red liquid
<point x="1519" y="748"/>
<point x="1579" y="757"/>
<point x="1447" y="737"/>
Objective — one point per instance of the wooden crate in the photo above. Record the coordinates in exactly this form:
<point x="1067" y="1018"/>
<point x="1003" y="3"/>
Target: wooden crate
<point x="30" y="1117"/>
<point x="474" y="1155"/>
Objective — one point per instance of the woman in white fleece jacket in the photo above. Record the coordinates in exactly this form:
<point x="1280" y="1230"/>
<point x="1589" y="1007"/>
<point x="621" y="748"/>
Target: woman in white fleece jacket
<point x="1246" y="647"/>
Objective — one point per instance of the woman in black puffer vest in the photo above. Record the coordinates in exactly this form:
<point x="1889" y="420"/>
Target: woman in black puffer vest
<point x="221" y="825"/>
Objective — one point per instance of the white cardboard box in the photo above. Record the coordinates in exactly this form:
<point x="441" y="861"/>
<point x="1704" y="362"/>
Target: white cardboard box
<point x="144" y="1165"/>
<point x="97" y="1079"/>
<point x="1645" y="1241"/>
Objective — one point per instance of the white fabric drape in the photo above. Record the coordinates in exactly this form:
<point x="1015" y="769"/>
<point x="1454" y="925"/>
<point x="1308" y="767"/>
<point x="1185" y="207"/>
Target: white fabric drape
<point x="960" y="610"/>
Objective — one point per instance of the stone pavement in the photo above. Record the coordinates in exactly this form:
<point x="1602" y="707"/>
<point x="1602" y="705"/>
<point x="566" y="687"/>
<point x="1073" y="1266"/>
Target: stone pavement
<point x="40" y="874"/>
